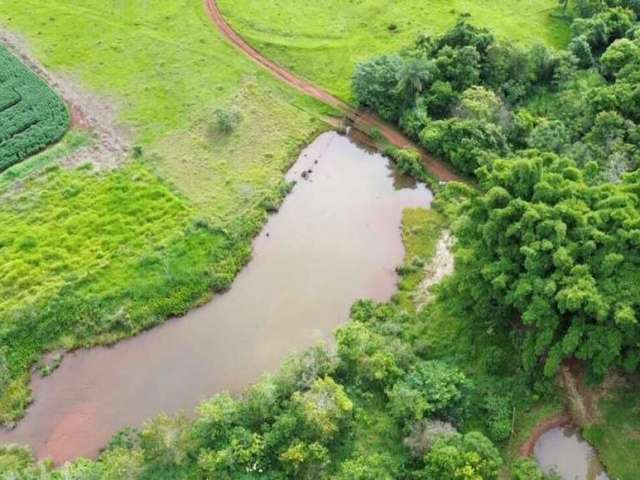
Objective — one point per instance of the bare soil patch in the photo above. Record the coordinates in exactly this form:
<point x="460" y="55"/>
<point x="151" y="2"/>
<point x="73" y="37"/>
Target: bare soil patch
<point x="440" y="266"/>
<point x="562" y="420"/>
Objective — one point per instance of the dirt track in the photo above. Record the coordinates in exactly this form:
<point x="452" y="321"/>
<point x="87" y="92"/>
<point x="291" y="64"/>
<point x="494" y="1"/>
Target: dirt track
<point x="361" y="120"/>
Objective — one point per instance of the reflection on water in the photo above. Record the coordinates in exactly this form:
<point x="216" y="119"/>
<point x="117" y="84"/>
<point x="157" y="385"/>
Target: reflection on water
<point x="564" y="451"/>
<point x="336" y="239"/>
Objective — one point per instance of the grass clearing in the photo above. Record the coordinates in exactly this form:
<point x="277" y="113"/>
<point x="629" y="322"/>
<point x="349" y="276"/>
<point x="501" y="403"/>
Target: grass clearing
<point x="323" y="41"/>
<point x="617" y="436"/>
<point x="421" y="230"/>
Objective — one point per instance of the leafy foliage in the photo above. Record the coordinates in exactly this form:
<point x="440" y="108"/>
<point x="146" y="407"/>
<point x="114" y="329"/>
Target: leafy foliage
<point x="431" y="389"/>
<point x="557" y="256"/>
<point x="547" y="249"/>
<point x="226" y="120"/>
<point x="32" y="116"/>
<point x="462" y="457"/>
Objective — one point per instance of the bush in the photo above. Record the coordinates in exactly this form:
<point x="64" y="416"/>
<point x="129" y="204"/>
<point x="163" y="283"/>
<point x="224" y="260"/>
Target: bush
<point x="497" y="415"/>
<point x="226" y="120"/>
<point x="408" y="162"/>
<point x="431" y="389"/>
<point x="374" y="85"/>
<point x="462" y="457"/>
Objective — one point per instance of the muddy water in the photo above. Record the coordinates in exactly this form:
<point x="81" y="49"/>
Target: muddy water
<point x="335" y="239"/>
<point x="564" y="451"/>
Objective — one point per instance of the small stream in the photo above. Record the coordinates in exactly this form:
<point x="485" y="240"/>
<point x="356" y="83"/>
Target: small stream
<point x="565" y="452"/>
<point x="335" y="239"/>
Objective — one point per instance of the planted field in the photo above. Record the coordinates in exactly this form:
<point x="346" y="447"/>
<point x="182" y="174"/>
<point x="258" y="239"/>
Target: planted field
<point x="324" y="40"/>
<point x="32" y="116"/>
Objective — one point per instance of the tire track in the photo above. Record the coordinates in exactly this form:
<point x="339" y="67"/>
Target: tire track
<point x="364" y="121"/>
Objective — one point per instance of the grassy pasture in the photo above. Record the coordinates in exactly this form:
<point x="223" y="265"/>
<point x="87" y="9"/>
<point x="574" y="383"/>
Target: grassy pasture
<point x="32" y="116"/>
<point x="616" y="435"/>
<point x="91" y="257"/>
<point x="323" y="41"/>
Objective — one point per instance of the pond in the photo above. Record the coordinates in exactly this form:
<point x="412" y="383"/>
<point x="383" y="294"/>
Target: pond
<point x="336" y="239"/>
<point x="564" y="451"/>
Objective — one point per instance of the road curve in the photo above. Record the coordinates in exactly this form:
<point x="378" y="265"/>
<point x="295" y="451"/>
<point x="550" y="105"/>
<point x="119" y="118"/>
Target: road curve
<point x="362" y="120"/>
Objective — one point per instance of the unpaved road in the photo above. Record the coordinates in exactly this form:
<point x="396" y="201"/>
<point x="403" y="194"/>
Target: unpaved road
<point x="361" y="120"/>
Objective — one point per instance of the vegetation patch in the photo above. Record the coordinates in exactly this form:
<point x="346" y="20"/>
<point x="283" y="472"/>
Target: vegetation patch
<point x="616" y="435"/>
<point x="32" y="116"/>
<point x="323" y="41"/>
<point x="91" y="257"/>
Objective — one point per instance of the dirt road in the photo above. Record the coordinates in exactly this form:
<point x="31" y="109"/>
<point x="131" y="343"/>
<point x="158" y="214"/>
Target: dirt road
<point x="361" y="120"/>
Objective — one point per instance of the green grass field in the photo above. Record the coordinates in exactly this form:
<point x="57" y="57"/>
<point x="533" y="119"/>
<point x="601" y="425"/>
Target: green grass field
<point x="323" y="41"/>
<point x="93" y="256"/>
<point x="616" y="436"/>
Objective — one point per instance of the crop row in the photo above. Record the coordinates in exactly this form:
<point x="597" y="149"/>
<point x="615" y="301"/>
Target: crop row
<point x="32" y="116"/>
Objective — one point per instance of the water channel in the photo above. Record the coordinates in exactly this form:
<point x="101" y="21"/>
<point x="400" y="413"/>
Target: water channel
<point x="335" y="239"/>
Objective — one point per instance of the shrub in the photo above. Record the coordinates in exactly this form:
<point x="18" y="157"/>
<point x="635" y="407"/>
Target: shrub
<point x="226" y="120"/>
<point x="431" y="389"/>
<point x="374" y="85"/>
<point x="462" y="457"/>
<point x="408" y="162"/>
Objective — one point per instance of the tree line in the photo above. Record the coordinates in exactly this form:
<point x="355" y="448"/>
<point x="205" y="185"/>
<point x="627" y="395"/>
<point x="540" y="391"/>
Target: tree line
<point x="548" y="245"/>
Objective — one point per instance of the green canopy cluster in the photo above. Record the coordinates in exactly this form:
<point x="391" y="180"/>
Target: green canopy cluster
<point x="558" y="258"/>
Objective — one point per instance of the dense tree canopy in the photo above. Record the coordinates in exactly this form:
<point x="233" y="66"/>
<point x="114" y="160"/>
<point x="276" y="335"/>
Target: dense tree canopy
<point x="558" y="257"/>
<point x="548" y="246"/>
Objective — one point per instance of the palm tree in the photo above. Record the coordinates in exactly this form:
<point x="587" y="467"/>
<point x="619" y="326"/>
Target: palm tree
<point x="414" y="77"/>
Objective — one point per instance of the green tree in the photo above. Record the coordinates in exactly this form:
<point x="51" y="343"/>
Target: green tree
<point x="545" y="253"/>
<point x="374" y="85"/>
<point x="462" y="457"/>
<point x="370" y="467"/>
<point x="414" y="77"/>
<point x="621" y="53"/>
<point x="430" y="389"/>
<point x="480" y="104"/>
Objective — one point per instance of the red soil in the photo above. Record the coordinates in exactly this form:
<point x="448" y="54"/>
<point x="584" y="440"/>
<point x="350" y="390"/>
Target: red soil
<point x="526" y="450"/>
<point x="361" y="120"/>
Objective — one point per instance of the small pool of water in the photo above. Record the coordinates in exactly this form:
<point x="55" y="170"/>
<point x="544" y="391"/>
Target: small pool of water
<point x="564" y="451"/>
<point x="336" y="239"/>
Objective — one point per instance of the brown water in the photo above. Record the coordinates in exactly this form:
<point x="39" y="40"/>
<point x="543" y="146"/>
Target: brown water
<point x="336" y="239"/>
<point x="564" y="451"/>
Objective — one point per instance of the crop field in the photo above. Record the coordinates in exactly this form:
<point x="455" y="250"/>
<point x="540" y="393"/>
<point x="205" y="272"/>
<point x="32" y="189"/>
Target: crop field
<point x="32" y="116"/>
<point x="323" y="41"/>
